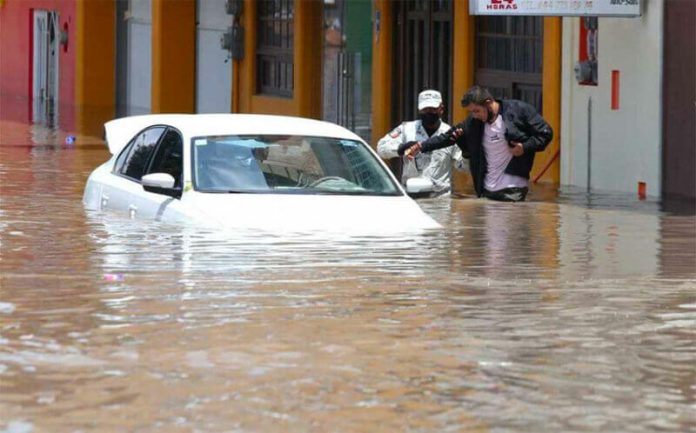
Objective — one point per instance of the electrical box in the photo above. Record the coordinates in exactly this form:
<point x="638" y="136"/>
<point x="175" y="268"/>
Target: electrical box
<point x="233" y="41"/>
<point x="237" y="42"/>
<point x="234" y="7"/>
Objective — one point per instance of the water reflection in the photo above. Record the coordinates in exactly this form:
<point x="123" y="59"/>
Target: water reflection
<point x="573" y="313"/>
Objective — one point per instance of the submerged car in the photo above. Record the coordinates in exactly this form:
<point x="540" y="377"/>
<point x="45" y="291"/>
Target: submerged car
<point x="249" y="171"/>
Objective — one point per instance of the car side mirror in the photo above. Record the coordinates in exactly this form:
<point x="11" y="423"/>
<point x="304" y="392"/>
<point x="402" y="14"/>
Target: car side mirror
<point x="419" y="186"/>
<point x="160" y="183"/>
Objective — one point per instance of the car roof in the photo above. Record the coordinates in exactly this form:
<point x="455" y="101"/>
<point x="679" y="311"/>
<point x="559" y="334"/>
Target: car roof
<point x="120" y="131"/>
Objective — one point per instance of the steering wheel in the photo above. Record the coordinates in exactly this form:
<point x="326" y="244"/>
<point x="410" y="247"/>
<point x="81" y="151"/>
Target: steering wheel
<point x="324" y="179"/>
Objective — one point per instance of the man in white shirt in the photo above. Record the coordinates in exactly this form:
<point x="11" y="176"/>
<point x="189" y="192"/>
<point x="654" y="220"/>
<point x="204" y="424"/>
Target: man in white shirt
<point x="435" y="166"/>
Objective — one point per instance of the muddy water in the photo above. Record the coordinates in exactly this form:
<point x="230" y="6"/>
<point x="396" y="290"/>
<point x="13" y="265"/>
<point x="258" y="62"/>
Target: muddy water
<point x="566" y="313"/>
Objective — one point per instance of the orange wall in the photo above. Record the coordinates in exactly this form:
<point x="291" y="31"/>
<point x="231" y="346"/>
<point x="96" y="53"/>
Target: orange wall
<point x="551" y="79"/>
<point x="463" y="53"/>
<point x="306" y="100"/>
<point x="173" y="56"/>
<point x="381" y="70"/>
<point x="95" y="77"/>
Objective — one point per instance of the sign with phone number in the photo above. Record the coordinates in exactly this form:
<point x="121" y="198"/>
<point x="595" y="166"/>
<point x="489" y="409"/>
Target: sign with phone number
<point x="613" y="8"/>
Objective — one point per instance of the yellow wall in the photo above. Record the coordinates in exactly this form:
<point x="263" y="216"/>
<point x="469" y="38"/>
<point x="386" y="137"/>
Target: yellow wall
<point x="173" y="56"/>
<point x="462" y="77"/>
<point x="551" y="80"/>
<point x="463" y="57"/>
<point x="381" y="71"/>
<point x="306" y="100"/>
<point x="95" y="65"/>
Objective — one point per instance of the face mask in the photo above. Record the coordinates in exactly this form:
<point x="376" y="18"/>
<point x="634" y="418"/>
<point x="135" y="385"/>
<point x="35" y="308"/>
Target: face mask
<point x="429" y="119"/>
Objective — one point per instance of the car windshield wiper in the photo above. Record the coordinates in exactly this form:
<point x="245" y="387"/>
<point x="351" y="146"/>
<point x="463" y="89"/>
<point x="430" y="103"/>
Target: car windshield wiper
<point x="224" y="191"/>
<point x="344" y="192"/>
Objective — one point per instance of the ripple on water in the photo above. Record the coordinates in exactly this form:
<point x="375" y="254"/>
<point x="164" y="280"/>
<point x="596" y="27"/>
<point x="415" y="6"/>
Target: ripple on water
<point x="569" y="313"/>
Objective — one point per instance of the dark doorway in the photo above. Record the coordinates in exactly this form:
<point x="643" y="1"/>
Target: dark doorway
<point x="679" y="94"/>
<point x="122" y="9"/>
<point x="509" y="55"/>
<point x="347" y="87"/>
<point x="45" y="37"/>
<point x="422" y="54"/>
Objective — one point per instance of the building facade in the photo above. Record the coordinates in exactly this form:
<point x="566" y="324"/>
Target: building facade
<point x="631" y="128"/>
<point x="361" y="63"/>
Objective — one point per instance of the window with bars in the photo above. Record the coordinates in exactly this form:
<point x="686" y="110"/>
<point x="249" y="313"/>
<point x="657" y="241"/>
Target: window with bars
<point x="509" y="54"/>
<point x="274" y="48"/>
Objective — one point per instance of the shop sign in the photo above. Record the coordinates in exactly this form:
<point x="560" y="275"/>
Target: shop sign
<point x="613" y="8"/>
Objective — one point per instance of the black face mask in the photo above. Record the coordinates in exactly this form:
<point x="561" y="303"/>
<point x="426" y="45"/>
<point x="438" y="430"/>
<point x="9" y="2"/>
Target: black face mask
<point x="430" y="120"/>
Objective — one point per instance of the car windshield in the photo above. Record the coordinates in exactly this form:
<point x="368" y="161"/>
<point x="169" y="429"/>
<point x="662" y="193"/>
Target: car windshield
<point x="287" y="164"/>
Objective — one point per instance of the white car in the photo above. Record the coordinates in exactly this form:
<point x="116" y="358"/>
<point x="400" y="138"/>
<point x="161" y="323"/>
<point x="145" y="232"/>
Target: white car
<point x="250" y="171"/>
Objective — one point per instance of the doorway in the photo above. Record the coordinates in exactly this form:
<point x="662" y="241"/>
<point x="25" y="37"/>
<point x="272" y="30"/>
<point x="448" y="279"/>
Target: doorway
<point x="422" y="54"/>
<point x="509" y="56"/>
<point x="678" y="95"/>
<point x="347" y="64"/>
<point x="133" y="57"/>
<point x="45" y="67"/>
<point x="213" y="63"/>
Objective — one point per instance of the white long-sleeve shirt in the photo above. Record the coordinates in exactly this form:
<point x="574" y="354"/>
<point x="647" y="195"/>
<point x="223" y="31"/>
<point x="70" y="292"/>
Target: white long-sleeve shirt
<point x="436" y="166"/>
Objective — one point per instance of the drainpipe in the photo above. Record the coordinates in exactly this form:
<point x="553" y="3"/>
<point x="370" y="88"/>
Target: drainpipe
<point x="589" y="144"/>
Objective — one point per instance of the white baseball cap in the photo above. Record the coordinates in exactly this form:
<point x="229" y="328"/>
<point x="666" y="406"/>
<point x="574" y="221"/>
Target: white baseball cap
<point x="429" y="98"/>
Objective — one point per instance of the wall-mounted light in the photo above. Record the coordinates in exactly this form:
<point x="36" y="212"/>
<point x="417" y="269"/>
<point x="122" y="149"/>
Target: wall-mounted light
<point x="64" y="37"/>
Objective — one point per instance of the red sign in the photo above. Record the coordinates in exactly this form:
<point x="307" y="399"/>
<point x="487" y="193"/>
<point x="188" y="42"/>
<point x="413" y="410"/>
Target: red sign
<point x="501" y="5"/>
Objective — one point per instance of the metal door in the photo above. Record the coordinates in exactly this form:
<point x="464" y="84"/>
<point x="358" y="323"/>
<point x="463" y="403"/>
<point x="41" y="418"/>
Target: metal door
<point x="678" y="96"/>
<point x="509" y="56"/>
<point x="213" y="65"/>
<point x="347" y="62"/>
<point x="422" y="54"/>
<point x="45" y="67"/>
<point x="139" y="53"/>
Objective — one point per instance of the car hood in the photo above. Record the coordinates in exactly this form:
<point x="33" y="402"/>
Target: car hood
<point x="311" y="212"/>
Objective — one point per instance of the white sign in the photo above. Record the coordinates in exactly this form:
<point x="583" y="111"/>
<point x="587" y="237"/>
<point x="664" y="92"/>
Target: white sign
<point x="611" y="8"/>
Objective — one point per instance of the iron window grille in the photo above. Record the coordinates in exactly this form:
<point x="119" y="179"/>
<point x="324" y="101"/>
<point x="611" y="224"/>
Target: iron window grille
<point x="274" y="50"/>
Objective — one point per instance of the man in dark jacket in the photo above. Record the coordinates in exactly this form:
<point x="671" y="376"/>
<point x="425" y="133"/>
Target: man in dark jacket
<point x="500" y="137"/>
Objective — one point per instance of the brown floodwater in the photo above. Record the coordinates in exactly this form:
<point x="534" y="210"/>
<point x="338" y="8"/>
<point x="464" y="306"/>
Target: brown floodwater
<point x="572" y="312"/>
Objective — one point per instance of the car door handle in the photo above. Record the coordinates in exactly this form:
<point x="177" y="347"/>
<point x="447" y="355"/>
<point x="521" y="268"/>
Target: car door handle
<point x="132" y="210"/>
<point x="104" y="201"/>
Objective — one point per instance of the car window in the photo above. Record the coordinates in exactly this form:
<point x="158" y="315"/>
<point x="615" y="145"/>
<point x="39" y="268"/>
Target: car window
<point x="168" y="157"/>
<point x="123" y="155"/>
<point x="136" y="156"/>
<point x="288" y="164"/>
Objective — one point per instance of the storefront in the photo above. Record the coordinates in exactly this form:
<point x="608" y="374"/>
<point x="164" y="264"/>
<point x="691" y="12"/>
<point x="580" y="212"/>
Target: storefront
<point x="443" y="45"/>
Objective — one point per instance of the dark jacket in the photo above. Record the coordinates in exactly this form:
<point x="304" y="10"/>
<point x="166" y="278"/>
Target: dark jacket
<point x="522" y="124"/>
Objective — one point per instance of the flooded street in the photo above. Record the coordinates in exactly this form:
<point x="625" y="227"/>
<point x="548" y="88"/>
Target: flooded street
<point x="567" y="313"/>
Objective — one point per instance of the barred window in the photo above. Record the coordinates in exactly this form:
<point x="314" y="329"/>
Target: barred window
<point x="274" y="50"/>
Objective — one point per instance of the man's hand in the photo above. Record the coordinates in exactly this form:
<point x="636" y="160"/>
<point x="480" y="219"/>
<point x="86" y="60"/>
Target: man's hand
<point x="403" y="147"/>
<point x="456" y="133"/>
<point x="412" y="151"/>
<point x="453" y="133"/>
<point x="516" y="148"/>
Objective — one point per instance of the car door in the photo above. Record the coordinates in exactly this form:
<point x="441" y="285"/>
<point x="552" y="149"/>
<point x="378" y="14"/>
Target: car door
<point x="167" y="158"/>
<point x="124" y="192"/>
